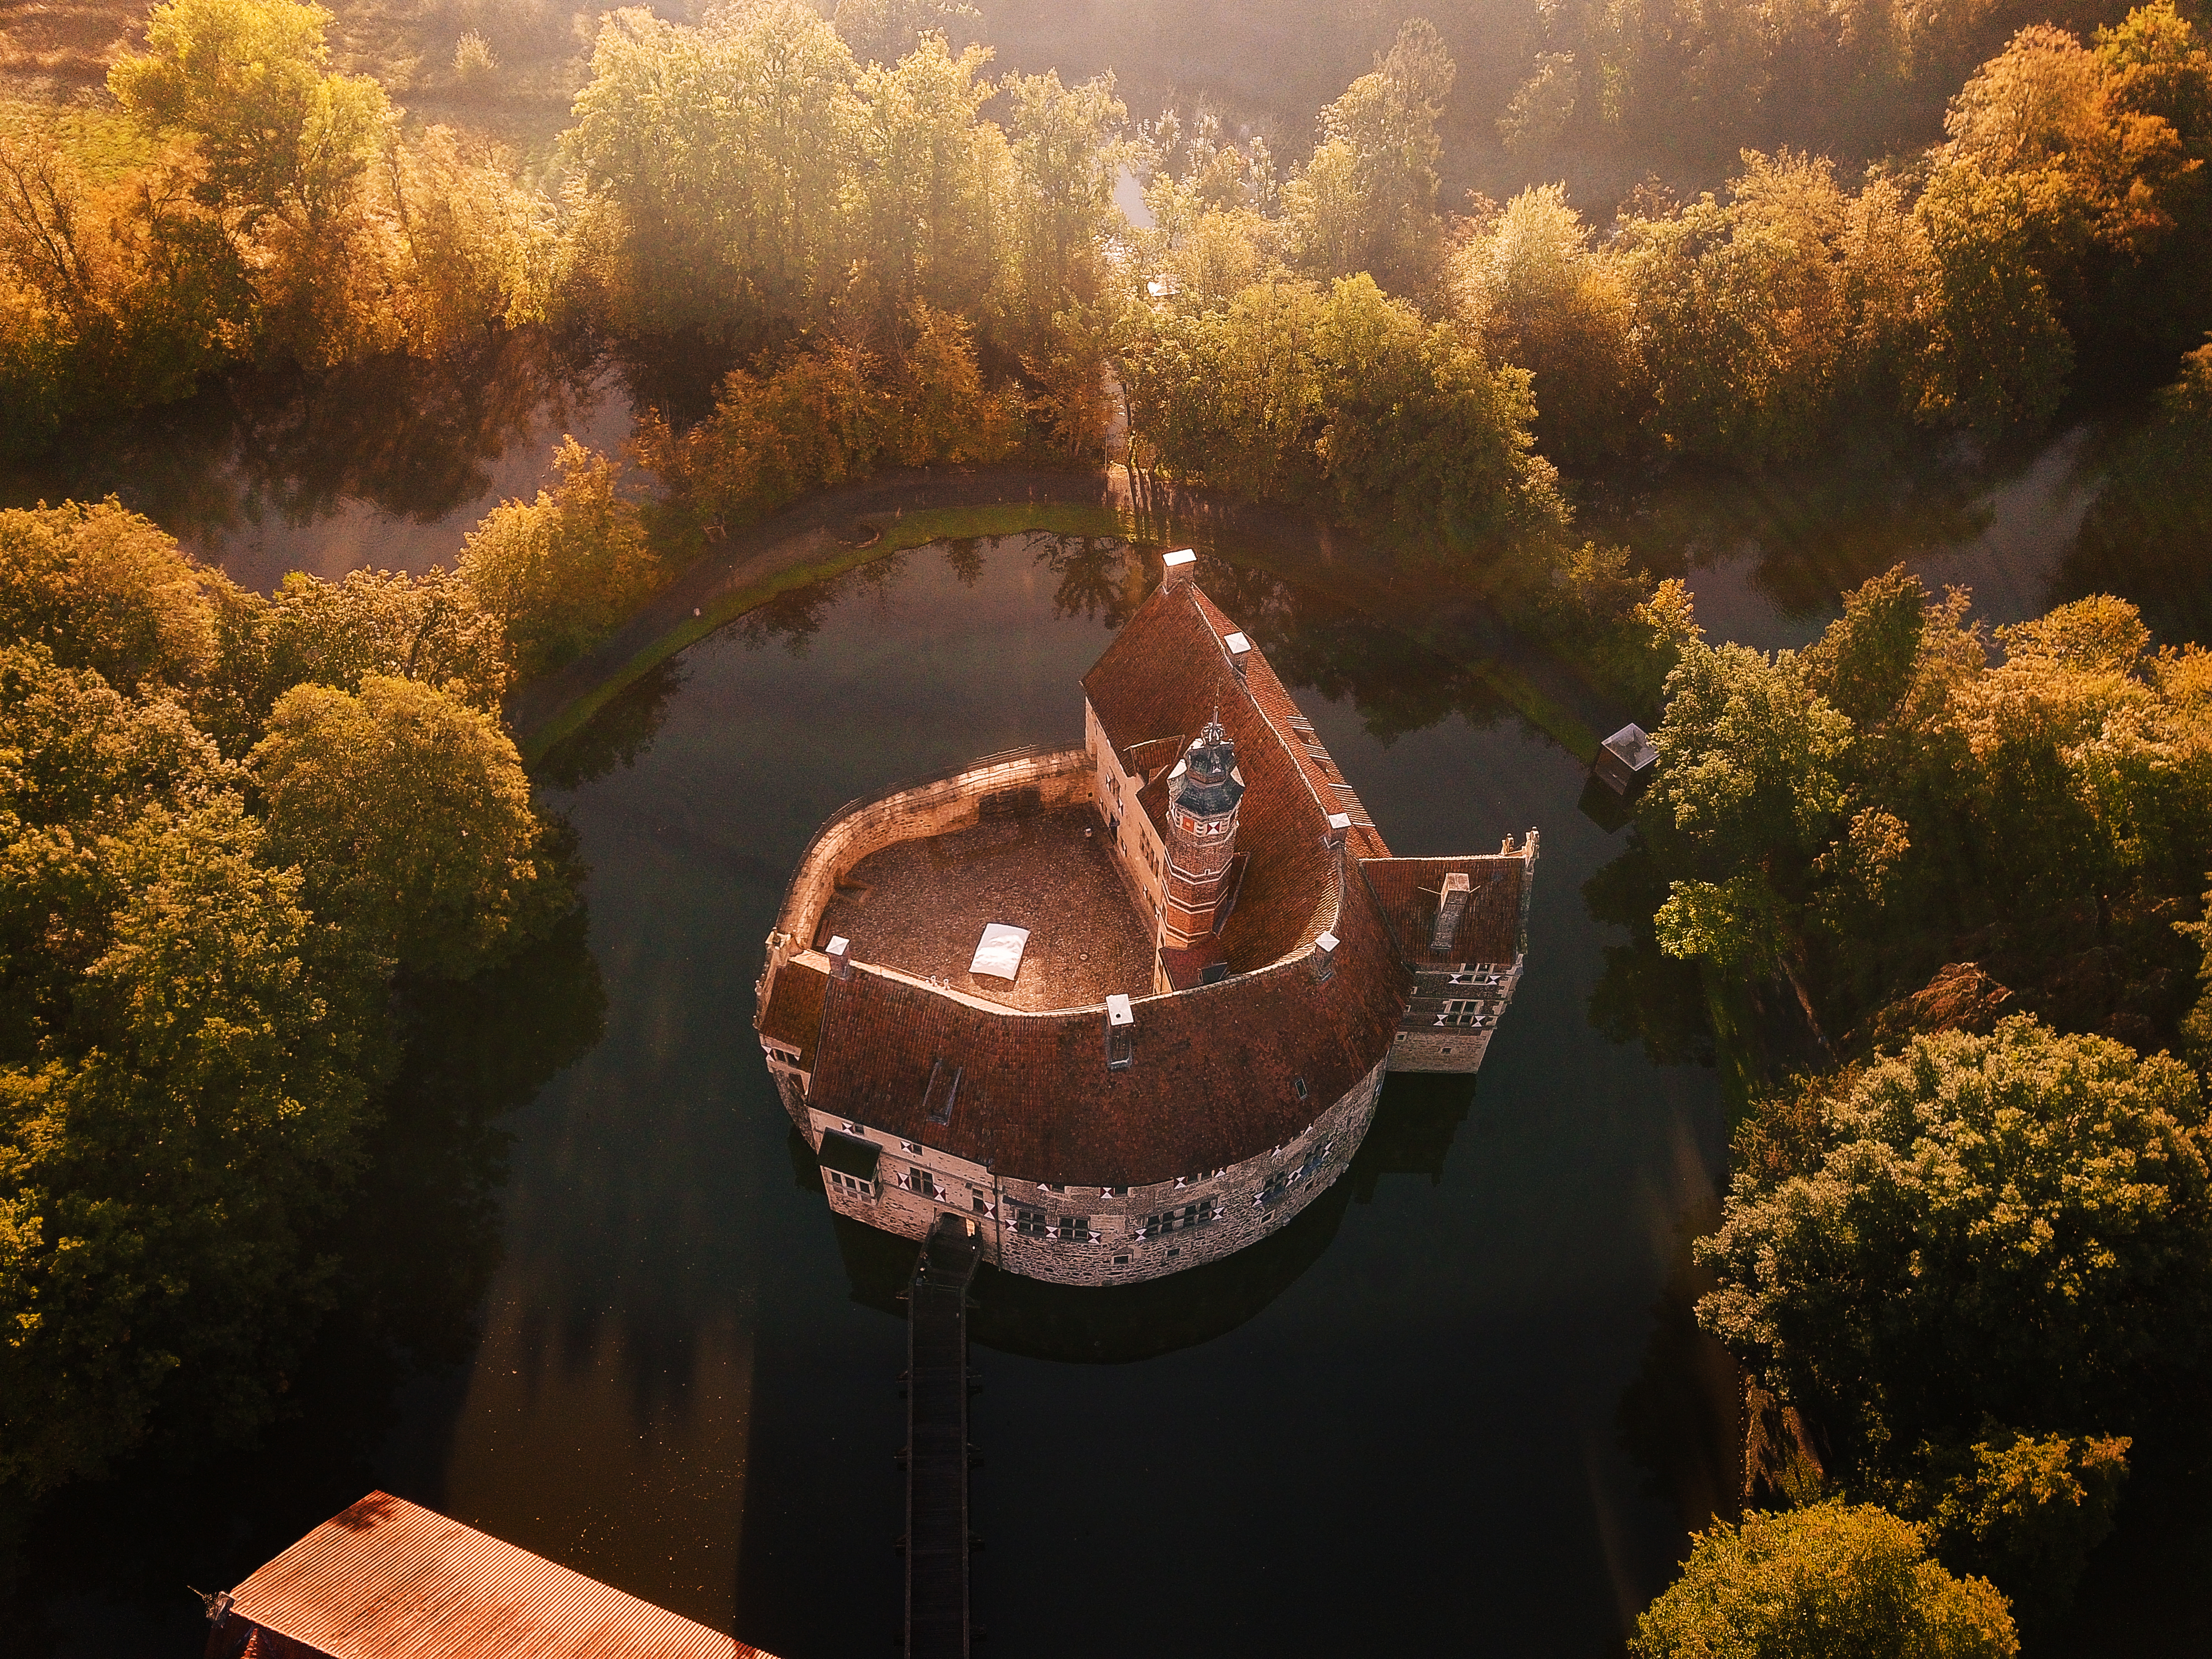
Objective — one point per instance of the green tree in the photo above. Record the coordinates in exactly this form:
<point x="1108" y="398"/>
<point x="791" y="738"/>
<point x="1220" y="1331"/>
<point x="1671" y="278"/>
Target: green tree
<point x="1828" y="1582"/>
<point x="2016" y="1226"/>
<point x="1750" y="757"/>
<point x="248" y="80"/>
<point x="1741" y="311"/>
<point x="429" y="628"/>
<point x="1420" y="428"/>
<point x="1347" y="397"/>
<point x="885" y="31"/>
<point x="933" y="182"/>
<point x="2023" y="1510"/>
<point x="719" y="158"/>
<point x="1530" y="284"/>
<point x="561" y="573"/>
<point x="186" y="1057"/>
<point x="409" y="815"/>
<point x="103" y="588"/>
<point x="80" y="762"/>
<point x="1065" y="156"/>
<point x="1367" y="200"/>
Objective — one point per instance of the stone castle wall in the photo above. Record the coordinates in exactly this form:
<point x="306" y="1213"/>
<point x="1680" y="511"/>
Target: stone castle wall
<point x="1062" y="778"/>
<point x="1127" y="1236"/>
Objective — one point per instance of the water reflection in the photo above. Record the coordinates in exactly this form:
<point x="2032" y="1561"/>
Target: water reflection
<point x="385" y="463"/>
<point x="1412" y="1133"/>
<point x="1768" y="556"/>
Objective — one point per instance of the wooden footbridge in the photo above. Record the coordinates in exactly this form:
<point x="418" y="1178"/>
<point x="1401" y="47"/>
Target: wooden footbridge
<point x="937" y="1454"/>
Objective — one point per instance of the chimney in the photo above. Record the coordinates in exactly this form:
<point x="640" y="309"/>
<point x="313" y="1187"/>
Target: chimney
<point x="1451" y="905"/>
<point x="841" y="957"/>
<point x="1176" y="568"/>
<point x="1339" y="826"/>
<point x="1120" y="1033"/>
<point x="1240" y="653"/>
<point x="1324" y="961"/>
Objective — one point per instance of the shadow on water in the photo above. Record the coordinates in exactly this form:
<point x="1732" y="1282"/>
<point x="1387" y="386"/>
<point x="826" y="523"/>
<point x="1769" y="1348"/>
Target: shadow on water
<point x="387" y="462"/>
<point x="102" y="1567"/>
<point x="622" y="730"/>
<point x="1412" y="1132"/>
<point x="1644" y="995"/>
<point x="1681" y="1419"/>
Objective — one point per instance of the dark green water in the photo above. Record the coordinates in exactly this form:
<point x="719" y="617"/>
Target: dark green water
<point x="1459" y="1395"/>
<point x="1409" y="1415"/>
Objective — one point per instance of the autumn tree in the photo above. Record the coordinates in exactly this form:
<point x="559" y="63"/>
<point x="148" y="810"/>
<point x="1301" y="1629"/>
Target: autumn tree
<point x="560" y="573"/>
<point x="103" y="588"/>
<point x="1843" y="1582"/>
<point x="288" y="147"/>
<point x="1531" y="286"/>
<point x="407" y="815"/>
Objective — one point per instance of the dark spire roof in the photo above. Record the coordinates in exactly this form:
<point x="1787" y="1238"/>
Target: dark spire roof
<point x="1208" y="783"/>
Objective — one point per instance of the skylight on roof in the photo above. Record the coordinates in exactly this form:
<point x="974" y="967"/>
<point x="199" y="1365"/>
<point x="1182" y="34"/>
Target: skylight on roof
<point x="999" y="953"/>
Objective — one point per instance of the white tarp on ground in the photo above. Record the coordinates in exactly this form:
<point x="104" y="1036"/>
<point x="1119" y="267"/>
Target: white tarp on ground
<point x="1000" y="955"/>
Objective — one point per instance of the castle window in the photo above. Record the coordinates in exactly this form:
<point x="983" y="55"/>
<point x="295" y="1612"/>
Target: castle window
<point x="1299" y="1084"/>
<point x="1075" y="1228"/>
<point x="913" y="1146"/>
<point x="1121" y="1260"/>
<point x="839" y="1179"/>
<point x="1168" y="1221"/>
<point x="1467" y="1011"/>
<point x="1031" y="1224"/>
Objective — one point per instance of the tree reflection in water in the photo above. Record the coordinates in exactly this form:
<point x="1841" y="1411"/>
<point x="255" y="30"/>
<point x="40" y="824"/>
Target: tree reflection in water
<point x="410" y="1258"/>
<point x="1645" y="995"/>
<point x="415" y="441"/>
<point x="1682" y="1418"/>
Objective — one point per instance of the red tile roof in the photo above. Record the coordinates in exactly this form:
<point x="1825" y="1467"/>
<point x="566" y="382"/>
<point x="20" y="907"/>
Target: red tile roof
<point x="1167" y="671"/>
<point x="793" y="1016"/>
<point x="387" y="1579"/>
<point x="1218" y="1069"/>
<point x="1490" y="926"/>
<point x="1214" y="1080"/>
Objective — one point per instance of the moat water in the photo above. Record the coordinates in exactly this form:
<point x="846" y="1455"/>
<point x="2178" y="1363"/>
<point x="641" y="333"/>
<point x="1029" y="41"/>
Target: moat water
<point x="1460" y="1392"/>
<point x="597" y="1305"/>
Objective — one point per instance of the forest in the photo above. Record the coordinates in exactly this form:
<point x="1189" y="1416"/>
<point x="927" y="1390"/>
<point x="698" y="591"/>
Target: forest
<point x="1938" y="889"/>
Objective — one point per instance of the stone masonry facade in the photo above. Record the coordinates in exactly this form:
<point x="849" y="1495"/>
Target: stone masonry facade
<point x="1098" y="1235"/>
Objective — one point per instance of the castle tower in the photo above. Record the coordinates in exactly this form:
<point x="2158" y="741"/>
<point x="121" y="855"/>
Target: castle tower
<point x="1203" y="792"/>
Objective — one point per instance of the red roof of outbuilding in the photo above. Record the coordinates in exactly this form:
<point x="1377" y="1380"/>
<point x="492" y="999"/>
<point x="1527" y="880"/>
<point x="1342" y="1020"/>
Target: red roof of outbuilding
<point x="387" y="1579"/>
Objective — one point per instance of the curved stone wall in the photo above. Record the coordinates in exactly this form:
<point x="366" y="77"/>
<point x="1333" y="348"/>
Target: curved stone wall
<point x="1094" y="1235"/>
<point x="912" y="812"/>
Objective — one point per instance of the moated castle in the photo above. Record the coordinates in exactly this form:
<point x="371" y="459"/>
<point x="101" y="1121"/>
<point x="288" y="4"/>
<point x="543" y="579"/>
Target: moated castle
<point x="1126" y="1008"/>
